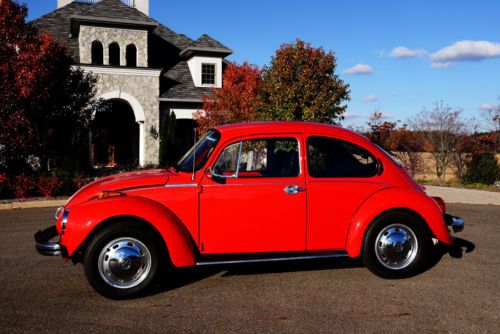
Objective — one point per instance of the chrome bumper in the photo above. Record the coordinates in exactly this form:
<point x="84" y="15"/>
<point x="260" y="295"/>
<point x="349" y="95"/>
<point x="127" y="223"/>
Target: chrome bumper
<point x="455" y="223"/>
<point x="43" y="245"/>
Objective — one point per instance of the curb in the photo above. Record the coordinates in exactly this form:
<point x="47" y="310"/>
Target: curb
<point x="32" y="204"/>
<point x="464" y="196"/>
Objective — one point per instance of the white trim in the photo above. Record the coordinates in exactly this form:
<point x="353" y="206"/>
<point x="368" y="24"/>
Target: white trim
<point x="136" y="71"/>
<point x="173" y="99"/>
<point x="139" y="114"/>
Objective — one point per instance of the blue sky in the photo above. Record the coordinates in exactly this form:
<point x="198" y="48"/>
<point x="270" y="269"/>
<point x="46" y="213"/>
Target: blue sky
<point x="449" y="50"/>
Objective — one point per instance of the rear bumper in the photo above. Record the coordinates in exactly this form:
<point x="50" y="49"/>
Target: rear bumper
<point x="44" y="246"/>
<point x="455" y="223"/>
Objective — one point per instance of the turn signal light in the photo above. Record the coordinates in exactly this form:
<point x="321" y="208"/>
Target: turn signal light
<point x="108" y="193"/>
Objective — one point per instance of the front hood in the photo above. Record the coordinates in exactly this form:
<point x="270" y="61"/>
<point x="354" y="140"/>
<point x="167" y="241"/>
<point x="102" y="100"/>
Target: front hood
<point x="119" y="182"/>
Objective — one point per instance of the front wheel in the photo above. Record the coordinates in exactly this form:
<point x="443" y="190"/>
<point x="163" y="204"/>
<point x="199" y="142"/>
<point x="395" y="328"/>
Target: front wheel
<point x="121" y="261"/>
<point x="396" y="245"/>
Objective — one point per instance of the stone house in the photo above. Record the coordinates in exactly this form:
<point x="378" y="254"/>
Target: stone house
<point x="144" y="70"/>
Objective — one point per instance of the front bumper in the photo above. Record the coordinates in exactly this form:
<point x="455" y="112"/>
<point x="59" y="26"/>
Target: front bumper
<point x="455" y="223"/>
<point x="44" y="246"/>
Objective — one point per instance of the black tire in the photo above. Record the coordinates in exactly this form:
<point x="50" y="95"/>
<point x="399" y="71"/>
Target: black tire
<point x="103" y="267"/>
<point x="397" y="245"/>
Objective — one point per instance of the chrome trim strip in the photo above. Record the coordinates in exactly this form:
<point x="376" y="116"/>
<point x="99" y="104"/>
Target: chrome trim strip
<point x="285" y="183"/>
<point x="239" y="159"/>
<point x="181" y="185"/>
<point x="274" y="259"/>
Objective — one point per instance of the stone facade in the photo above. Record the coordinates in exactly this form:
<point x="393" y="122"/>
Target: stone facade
<point x="134" y="85"/>
<point x="165" y="75"/>
<point x="106" y="36"/>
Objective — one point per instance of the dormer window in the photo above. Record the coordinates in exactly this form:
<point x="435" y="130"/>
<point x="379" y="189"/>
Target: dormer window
<point x="114" y="54"/>
<point x="96" y="53"/>
<point x="207" y="74"/>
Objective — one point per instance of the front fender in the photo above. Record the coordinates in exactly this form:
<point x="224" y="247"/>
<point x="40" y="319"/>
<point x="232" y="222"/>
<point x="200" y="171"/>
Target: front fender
<point x="84" y="218"/>
<point x="390" y="199"/>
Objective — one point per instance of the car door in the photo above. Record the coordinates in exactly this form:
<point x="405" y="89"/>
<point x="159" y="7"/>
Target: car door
<point x="254" y="200"/>
<point x="341" y="175"/>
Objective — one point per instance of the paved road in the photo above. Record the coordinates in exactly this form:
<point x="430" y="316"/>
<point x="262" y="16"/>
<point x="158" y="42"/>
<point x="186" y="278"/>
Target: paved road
<point x="41" y="294"/>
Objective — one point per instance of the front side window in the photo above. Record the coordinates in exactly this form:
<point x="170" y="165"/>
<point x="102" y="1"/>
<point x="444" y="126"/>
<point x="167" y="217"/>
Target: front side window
<point x="208" y="74"/>
<point x="260" y="158"/>
<point x="330" y="157"/>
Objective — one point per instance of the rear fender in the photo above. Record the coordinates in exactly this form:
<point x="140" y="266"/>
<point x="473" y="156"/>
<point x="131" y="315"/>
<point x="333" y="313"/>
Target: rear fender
<point x="84" y="218"/>
<point x="396" y="199"/>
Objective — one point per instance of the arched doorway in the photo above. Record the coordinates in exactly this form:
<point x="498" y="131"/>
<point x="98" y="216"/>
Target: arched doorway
<point x="115" y="135"/>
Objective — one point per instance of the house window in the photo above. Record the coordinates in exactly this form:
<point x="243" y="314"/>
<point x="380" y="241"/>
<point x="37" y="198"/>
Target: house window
<point x="96" y="53"/>
<point x="131" y="55"/>
<point x="114" y="54"/>
<point x="208" y="74"/>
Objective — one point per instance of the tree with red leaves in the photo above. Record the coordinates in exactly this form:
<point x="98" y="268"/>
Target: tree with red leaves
<point x="239" y="100"/>
<point x="45" y="105"/>
<point x="301" y="84"/>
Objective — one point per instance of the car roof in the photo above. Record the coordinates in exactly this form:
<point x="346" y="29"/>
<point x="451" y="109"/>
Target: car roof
<point x="276" y="127"/>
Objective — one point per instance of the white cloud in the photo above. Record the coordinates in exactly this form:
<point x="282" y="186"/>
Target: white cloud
<point x="440" y="65"/>
<point x="370" y="98"/>
<point x="404" y="52"/>
<point x="467" y="51"/>
<point x="489" y="107"/>
<point x="350" y="115"/>
<point x="359" y="69"/>
<point x="386" y="116"/>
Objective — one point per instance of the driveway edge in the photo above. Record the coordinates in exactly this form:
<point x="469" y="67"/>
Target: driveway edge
<point x="32" y="204"/>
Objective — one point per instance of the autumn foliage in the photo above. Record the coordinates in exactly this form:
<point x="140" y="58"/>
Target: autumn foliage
<point x="45" y="105"/>
<point x="239" y="100"/>
<point x="301" y="84"/>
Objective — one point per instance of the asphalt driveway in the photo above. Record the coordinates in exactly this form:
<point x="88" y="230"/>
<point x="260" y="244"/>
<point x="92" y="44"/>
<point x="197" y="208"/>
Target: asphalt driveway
<point x="460" y="293"/>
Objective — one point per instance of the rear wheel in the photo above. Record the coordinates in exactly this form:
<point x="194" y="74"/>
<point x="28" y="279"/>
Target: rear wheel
<point x="397" y="245"/>
<point x="121" y="261"/>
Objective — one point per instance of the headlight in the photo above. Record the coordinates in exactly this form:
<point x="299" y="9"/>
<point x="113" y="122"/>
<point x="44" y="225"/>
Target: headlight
<point x="64" y="221"/>
<point x="58" y="212"/>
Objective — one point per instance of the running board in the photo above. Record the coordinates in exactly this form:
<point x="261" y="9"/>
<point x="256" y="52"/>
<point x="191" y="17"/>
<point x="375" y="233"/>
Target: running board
<point x="295" y="257"/>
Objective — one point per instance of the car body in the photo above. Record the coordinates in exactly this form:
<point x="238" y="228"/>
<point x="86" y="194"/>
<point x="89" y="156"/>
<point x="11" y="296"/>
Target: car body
<point x="252" y="192"/>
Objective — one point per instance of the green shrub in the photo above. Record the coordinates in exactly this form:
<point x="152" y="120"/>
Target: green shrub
<point x="483" y="168"/>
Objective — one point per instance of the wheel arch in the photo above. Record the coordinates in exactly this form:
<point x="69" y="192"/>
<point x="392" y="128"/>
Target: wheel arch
<point x="87" y="219"/>
<point x="77" y="256"/>
<point x="392" y="200"/>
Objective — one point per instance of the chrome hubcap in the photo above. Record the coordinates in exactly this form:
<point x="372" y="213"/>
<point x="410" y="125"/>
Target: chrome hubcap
<point x="396" y="246"/>
<point x="124" y="263"/>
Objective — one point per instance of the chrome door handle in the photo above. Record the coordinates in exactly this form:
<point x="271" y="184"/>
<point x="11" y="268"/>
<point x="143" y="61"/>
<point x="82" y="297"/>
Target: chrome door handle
<point x="293" y="190"/>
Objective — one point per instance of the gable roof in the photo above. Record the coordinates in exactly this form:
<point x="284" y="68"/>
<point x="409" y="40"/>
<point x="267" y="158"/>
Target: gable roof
<point x="58" y="22"/>
<point x="205" y="43"/>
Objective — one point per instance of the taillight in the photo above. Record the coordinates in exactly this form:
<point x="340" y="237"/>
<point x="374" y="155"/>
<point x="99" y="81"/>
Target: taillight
<point x="440" y="202"/>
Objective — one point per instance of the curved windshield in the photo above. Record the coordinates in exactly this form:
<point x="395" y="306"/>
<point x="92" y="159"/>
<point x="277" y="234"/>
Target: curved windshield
<point x="199" y="153"/>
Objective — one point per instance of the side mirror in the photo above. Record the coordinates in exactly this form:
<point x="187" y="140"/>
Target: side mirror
<point x="215" y="175"/>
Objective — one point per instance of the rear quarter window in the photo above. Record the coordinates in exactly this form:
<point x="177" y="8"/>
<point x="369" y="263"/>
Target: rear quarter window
<point x="331" y="157"/>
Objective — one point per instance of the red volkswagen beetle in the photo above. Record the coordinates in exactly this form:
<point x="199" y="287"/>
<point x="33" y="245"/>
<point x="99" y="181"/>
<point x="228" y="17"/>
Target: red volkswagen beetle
<point x="252" y="192"/>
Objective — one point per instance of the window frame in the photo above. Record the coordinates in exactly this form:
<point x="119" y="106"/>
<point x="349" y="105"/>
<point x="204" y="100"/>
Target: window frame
<point x="215" y="74"/>
<point x="377" y="161"/>
<point x="240" y="141"/>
